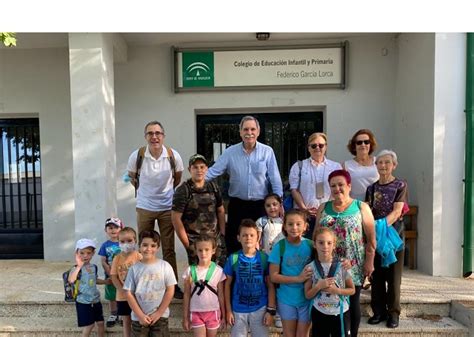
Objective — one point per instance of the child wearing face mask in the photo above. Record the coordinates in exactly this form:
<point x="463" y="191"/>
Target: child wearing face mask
<point x="120" y="265"/>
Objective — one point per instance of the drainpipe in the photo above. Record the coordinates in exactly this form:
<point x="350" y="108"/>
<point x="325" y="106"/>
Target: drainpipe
<point x="469" y="169"/>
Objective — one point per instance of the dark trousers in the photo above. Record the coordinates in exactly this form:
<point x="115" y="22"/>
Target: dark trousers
<point x="237" y="211"/>
<point x="159" y="329"/>
<point x="386" y="282"/>
<point x="354" y="310"/>
<point x="329" y="325"/>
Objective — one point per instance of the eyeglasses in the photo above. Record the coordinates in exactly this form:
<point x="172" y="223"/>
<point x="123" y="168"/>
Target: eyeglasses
<point x="360" y="142"/>
<point x="154" y="133"/>
<point x="313" y="146"/>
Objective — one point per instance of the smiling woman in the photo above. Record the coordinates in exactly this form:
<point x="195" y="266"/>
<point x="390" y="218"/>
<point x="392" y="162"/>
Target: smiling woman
<point x="362" y="167"/>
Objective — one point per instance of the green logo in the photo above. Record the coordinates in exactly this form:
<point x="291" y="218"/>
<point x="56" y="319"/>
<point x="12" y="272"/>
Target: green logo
<point x="198" y="69"/>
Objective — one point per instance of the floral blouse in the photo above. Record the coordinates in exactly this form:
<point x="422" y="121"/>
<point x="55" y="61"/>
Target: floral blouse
<point x="350" y="243"/>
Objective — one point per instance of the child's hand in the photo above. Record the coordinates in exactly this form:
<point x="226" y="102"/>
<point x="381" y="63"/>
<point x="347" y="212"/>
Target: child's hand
<point x="186" y="325"/>
<point x="144" y="320"/>
<point x="332" y="289"/>
<point x="230" y="318"/>
<point x="154" y="317"/>
<point x="79" y="261"/>
<point x="306" y="274"/>
<point x="326" y="283"/>
<point x="267" y="319"/>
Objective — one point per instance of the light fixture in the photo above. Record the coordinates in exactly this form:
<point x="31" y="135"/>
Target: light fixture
<point x="263" y="36"/>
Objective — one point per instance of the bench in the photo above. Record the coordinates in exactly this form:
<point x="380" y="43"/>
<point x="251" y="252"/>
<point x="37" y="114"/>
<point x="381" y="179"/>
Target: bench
<point x="411" y="234"/>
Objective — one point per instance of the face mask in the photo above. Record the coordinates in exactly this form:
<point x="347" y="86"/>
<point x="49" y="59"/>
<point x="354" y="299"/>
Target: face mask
<point x="127" y="247"/>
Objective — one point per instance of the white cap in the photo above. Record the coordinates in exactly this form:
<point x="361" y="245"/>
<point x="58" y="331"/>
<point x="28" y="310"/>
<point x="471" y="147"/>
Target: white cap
<point x="84" y="243"/>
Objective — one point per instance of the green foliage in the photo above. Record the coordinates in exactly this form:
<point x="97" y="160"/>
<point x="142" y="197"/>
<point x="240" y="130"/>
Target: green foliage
<point x="8" y="39"/>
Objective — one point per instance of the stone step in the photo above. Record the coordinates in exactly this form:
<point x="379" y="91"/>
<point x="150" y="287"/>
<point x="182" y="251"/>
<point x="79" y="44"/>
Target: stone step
<point x="63" y="309"/>
<point x="59" y="327"/>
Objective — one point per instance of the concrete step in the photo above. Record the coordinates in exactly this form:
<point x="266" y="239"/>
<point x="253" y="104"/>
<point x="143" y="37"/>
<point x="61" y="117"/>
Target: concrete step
<point x="59" y="327"/>
<point x="63" y="309"/>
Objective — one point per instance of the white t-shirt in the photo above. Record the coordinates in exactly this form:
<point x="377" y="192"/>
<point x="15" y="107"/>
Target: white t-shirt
<point x="312" y="173"/>
<point x="271" y="232"/>
<point x="148" y="283"/>
<point x="155" y="192"/>
<point x="361" y="177"/>
<point x="207" y="301"/>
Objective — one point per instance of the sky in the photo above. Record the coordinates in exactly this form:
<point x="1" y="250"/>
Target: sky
<point x="236" y="16"/>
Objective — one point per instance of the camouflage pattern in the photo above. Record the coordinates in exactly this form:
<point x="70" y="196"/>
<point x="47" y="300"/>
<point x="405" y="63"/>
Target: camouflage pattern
<point x="199" y="208"/>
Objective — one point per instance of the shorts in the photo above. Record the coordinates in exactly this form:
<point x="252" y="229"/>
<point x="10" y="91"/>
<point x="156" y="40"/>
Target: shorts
<point x="123" y="309"/>
<point x="249" y="322"/>
<point x="110" y="292"/>
<point x="210" y="319"/>
<point x="88" y="314"/>
<point x="294" y="313"/>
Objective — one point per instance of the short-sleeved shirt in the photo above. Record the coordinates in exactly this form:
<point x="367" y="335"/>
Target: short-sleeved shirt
<point x="271" y="231"/>
<point x="381" y="197"/>
<point x="109" y="249"/>
<point x="295" y="258"/>
<point x="88" y="292"/>
<point x="120" y="266"/>
<point x="329" y="304"/>
<point x="148" y="282"/>
<point x="361" y="177"/>
<point x="311" y="174"/>
<point x="155" y="192"/>
<point x="199" y="207"/>
<point x="249" y="291"/>
<point x="207" y="301"/>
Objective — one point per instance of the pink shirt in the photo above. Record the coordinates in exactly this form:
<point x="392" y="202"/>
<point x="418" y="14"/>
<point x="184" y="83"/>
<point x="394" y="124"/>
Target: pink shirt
<point x="207" y="301"/>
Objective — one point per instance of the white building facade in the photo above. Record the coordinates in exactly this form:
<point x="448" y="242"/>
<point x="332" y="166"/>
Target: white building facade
<point x="93" y="94"/>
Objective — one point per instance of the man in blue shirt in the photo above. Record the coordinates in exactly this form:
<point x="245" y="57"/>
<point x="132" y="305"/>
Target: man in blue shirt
<point x="253" y="171"/>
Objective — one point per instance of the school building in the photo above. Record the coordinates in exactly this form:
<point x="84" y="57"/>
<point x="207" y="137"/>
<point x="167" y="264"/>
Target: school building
<point x="73" y="107"/>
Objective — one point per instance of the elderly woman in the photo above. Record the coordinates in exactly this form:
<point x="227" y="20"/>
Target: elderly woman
<point x="353" y="223"/>
<point x="309" y="178"/>
<point x="362" y="167"/>
<point x="387" y="198"/>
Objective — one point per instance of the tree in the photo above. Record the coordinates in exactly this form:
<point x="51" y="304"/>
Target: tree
<point x="8" y="39"/>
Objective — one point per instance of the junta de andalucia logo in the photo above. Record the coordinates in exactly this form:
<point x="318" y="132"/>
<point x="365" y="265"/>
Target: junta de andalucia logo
<point x="198" y="69"/>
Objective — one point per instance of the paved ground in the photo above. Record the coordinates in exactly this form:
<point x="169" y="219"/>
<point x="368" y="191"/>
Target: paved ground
<point x="39" y="281"/>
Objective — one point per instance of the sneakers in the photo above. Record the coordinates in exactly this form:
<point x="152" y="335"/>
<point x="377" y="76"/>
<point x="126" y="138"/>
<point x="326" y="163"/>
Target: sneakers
<point x="277" y="321"/>
<point x="178" y="293"/>
<point x="111" y="321"/>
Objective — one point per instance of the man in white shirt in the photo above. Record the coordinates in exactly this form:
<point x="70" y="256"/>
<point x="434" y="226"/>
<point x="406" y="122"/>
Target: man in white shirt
<point x="155" y="174"/>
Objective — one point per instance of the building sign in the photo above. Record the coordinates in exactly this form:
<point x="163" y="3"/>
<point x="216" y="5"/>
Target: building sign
<point x="315" y="66"/>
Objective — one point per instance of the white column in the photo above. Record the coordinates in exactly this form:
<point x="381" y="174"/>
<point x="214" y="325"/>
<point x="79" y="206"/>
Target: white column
<point x="93" y="132"/>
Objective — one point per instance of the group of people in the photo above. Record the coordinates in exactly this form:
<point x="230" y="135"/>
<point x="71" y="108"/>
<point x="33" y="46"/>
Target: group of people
<point x="262" y="266"/>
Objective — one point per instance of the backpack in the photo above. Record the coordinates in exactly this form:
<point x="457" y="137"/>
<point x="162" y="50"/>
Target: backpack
<point x="335" y="265"/>
<point x="139" y="162"/>
<point x="71" y="290"/>
<point x="288" y="201"/>
<point x="189" y="192"/>
<point x="263" y="259"/>
<point x="200" y="284"/>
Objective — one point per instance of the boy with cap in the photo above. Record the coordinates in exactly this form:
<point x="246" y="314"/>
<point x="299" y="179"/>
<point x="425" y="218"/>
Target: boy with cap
<point x="88" y="306"/>
<point x="198" y="209"/>
<point x="107" y="252"/>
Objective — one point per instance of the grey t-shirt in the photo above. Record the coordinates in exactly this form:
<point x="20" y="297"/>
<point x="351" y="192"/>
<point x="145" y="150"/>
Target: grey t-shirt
<point x="148" y="283"/>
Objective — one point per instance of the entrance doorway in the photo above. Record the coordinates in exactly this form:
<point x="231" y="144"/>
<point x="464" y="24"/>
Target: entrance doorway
<point x="286" y="133"/>
<point x="21" y="218"/>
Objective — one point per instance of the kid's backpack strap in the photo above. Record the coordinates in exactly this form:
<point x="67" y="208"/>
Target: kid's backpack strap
<point x="201" y="285"/>
<point x="235" y="258"/>
<point x="264" y="260"/>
